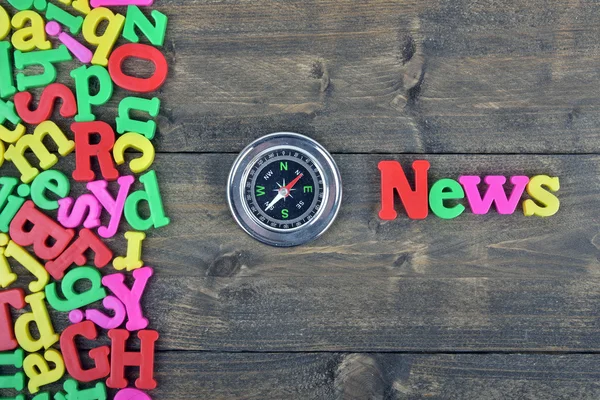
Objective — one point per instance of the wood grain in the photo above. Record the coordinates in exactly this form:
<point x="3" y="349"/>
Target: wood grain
<point x="477" y="283"/>
<point x="377" y="376"/>
<point x="384" y="77"/>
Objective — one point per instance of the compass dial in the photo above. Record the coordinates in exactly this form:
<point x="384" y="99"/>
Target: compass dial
<point x="284" y="189"/>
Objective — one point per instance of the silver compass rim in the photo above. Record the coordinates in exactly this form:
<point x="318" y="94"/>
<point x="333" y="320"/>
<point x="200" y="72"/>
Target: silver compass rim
<point x="332" y="188"/>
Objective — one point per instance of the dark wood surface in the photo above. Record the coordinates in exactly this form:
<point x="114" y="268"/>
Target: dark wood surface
<point x="480" y="307"/>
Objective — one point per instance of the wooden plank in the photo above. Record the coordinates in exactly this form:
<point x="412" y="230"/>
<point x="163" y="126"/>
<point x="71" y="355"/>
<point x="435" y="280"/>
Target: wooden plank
<point x="376" y="376"/>
<point x="380" y="76"/>
<point x="206" y="375"/>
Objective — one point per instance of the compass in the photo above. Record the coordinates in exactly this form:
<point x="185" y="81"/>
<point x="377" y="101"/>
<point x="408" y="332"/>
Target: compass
<point x="284" y="189"/>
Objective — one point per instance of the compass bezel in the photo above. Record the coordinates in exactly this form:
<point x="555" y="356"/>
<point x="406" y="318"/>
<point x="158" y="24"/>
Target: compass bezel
<point x="332" y="190"/>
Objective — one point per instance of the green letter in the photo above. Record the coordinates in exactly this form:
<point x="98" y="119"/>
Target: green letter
<point x="438" y="194"/>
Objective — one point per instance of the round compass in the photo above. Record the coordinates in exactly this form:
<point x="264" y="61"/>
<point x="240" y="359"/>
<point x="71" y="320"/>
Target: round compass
<point x="284" y="189"/>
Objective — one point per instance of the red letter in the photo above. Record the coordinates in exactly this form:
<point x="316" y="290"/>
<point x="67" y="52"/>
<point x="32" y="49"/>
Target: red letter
<point x="393" y="179"/>
<point x="84" y="150"/>
<point x="44" y="228"/>
<point x="16" y="299"/>
<point x="99" y="355"/>
<point x="145" y="52"/>
<point x="75" y="254"/>
<point x="119" y="359"/>
<point x="49" y="96"/>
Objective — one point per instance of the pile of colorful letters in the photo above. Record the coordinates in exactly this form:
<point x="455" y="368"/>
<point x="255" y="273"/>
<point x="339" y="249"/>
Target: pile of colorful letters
<point x="52" y="233"/>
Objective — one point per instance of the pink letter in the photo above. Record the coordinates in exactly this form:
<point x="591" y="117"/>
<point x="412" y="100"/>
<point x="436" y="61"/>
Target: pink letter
<point x="104" y="321"/>
<point x="495" y="193"/>
<point x="112" y="206"/>
<point x="131" y="394"/>
<point x="131" y="298"/>
<point x="85" y="202"/>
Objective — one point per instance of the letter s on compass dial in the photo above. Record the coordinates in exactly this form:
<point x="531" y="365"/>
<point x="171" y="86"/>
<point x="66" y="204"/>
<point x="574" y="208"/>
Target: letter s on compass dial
<point x="284" y="189"/>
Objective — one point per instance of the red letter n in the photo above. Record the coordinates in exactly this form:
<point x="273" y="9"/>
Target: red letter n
<point x="394" y="180"/>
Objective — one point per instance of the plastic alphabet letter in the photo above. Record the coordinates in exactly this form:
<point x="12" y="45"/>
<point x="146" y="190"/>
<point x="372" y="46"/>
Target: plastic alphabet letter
<point x="549" y="203"/>
<point x="143" y="52"/>
<point x="73" y="299"/>
<point x="126" y="124"/>
<point x="99" y="355"/>
<point x="82" y="53"/>
<point x="107" y="40"/>
<point x="54" y="13"/>
<point x="118" y="3"/>
<point x="446" y="189"/>
<point x="49" y="97"/>
<point x="85" y="100"/>
<point x="7" y="277"/>
<point x="113" y="206"/>
<point x="30" y="37"/>
<point x="7" y="111"/>
<point x="16" y="152"/>
<point x="119" y="359"/>
<point x="84" y="150"/>
<point x="104" y="321"/>
<point x="45" y="58"/>
<point x="38" y="315"/>
<point x="394" y="180"/>
<point x="21" y="5"/>
<point x="133" y="260"/>
<point x="38" y="371"/>
<point x="494" y="194"/>
<point x="139" y="143"/>
<point x="150" y="194"/>
<point x="7" y="82"/>
<point x="131" y="394"/>
<point x="71" y="386"/>
<point x="4" y="23"/>
<point x="83" y="6"/>
<point x="39" y="234"/>
<point x="53" y="181"/>
<point x="16" y="381"/>
<point x="9" y="204"/>
<point x="14" y="298"/>
<point x="130" y="297"/>
<point x="84" y="203"/>
<point x="155" y="33"/>
<point x="30" y="263"/>
<point x="76" y="254"/>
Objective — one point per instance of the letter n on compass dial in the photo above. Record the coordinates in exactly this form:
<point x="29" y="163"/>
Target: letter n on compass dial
<point x="284" y="189"/>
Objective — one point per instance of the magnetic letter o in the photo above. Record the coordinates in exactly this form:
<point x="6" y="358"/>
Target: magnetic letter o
<point x="132" y="83"/>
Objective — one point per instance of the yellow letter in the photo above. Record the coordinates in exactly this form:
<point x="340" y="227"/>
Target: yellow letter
<point x="549" y="203"/>
<point x="139" y="143"/>
<point x="7" y="277"/>
<point x="28" y="38"/>
<point x="39" y="315"/>
<point x="4" y="23"/>
<point x="38" y="372"/>
<point x="133" y="260"/>
<point x="16" y="152"/>
<point x="31" y="264"/>
<point x="105" y="42"/>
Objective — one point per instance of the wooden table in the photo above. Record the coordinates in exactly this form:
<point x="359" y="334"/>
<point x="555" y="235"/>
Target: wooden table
<point x="480" y="307"/>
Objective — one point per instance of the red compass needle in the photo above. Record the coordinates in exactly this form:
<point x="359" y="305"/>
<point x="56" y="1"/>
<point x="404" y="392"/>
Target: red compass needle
<point x="293" y="183"/>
